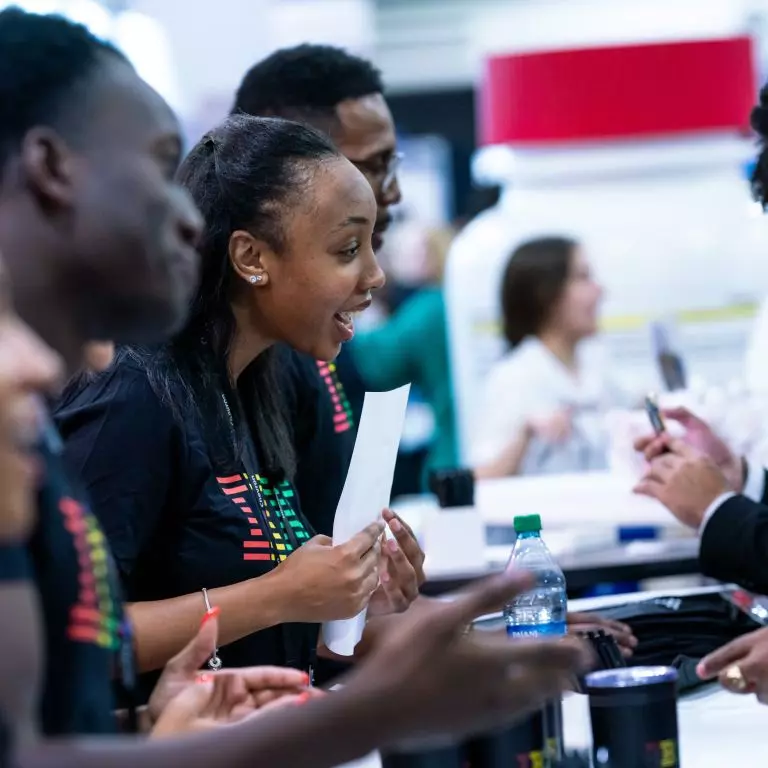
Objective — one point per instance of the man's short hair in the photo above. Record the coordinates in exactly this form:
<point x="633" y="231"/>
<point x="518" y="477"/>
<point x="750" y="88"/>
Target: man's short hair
<point x="306" y="83"/>
<point x="44" y="60"/>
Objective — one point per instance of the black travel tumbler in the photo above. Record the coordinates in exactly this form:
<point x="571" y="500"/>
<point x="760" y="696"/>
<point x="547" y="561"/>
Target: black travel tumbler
<point x="553" y="731"/>
<point x="521" y="745"/>
<point x="634" y="717"/>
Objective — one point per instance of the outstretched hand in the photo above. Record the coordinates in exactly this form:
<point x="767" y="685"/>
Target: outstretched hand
<point x="748" y="656"/>
<point x="431" y="677"/>
<point x="246" y="689"/>
<point x="588" y="622"/>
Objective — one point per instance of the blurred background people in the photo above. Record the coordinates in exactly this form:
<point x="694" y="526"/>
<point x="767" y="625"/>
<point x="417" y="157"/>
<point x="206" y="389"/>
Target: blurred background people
<point x="544" y="402"/>
<point x="411" y="347"/>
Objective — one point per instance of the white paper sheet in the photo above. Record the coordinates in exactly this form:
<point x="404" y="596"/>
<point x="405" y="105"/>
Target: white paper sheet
<point x="367" y="490"/>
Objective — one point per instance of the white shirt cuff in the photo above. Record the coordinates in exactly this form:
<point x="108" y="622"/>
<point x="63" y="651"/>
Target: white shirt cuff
<point x="754" y="483"/>
<point x="713" y="507"/>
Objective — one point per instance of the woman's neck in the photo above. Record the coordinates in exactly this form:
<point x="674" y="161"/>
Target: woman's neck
<point x="562" y="348"/>
<point x="247" y="344"/>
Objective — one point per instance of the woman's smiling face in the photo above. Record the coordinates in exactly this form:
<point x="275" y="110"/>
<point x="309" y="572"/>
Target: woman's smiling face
<point x="307" y="294"/>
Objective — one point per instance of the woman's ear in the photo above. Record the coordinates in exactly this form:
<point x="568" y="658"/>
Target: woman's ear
<point x="249" y="257"/>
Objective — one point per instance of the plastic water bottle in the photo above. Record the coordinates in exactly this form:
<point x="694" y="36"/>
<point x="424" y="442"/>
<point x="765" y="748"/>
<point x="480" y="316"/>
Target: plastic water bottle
<point x="542" y="611"/>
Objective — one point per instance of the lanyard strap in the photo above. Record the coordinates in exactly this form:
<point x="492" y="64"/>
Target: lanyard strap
<point x="248" y="458"/>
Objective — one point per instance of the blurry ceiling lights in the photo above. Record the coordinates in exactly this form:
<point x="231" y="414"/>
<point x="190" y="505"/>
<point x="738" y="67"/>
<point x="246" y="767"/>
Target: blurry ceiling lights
<point x="140" y="37"/>
<point x="91" y="14"/>
<point x="493" y="165"/>
<point x="144" y="42"/>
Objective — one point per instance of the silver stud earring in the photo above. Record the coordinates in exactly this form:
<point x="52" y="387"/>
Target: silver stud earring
<point x="253" y="279"/>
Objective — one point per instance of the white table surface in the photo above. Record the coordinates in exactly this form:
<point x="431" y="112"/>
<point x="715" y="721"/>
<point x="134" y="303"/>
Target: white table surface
<point x="585" y="499"/>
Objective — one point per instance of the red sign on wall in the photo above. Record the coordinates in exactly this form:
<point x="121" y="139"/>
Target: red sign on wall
<point x="589" y="94"/>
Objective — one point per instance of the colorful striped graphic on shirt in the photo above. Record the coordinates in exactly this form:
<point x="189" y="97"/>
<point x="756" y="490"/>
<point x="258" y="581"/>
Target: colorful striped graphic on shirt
<point x="273" y="545"/>
<point x="343" y="419"/>
<point x="94" y="618"/>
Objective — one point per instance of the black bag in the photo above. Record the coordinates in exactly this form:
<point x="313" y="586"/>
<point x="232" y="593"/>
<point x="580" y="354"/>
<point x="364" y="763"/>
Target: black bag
<point x="680" y="631"/>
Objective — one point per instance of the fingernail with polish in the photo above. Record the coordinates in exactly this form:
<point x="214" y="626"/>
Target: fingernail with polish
<point x="392" y="545"/>
<point x="303" y="698"/>
<point x="395" y="525"/>
<point x="202" y="679"/>
<point x="306" y="679"/>
<point x="211" y="614"/>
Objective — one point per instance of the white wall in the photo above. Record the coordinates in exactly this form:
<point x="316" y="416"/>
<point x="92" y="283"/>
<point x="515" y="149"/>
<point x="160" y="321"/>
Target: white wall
<point x="442" y="42"/>
<point x="214" y="43"/>
<point x="418" y="43"/>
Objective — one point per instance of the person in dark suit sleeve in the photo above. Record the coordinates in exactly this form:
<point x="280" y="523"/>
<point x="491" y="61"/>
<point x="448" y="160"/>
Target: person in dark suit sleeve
<point x="710" y="489"/>
<point x="701" y="481"/>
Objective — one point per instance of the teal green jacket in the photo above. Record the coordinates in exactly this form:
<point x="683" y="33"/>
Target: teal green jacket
<point x="412" y="347"/>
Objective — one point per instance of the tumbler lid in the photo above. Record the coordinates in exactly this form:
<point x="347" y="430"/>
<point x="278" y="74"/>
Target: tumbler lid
<point x="629" y="677"/>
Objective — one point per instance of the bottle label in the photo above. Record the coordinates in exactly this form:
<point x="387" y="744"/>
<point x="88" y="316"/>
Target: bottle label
<point x="552" y="629"/>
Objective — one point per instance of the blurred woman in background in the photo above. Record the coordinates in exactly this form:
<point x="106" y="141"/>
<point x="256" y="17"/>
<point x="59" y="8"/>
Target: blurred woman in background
<point x="543" y="402"/>
<point x="411" y="347"/>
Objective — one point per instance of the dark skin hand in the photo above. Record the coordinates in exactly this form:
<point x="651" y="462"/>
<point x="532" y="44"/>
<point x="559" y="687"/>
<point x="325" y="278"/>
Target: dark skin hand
<point x="577" y="623"/>
<point x="748" y="652"/>
<point x="426" y="679"/>
<point x="588" y="622"/>
<point x="401" y="571"/>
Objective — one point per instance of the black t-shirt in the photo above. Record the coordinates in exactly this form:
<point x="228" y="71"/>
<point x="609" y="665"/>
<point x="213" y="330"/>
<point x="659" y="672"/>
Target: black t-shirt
<point x="176" y="521"/>
<point x="5" y="744"/>
<point x="324" y="435"/>
<point x="14" y="563"/>
<point x="88" y="646"/>
<point x="14" y="567"/>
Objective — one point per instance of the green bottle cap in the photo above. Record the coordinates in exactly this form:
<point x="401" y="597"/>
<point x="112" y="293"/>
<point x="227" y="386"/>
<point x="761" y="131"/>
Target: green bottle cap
<point x="528" y="524"/>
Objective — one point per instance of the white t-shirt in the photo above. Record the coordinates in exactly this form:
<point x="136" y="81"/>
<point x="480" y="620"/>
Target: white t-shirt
<point x="531" y="382"/>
